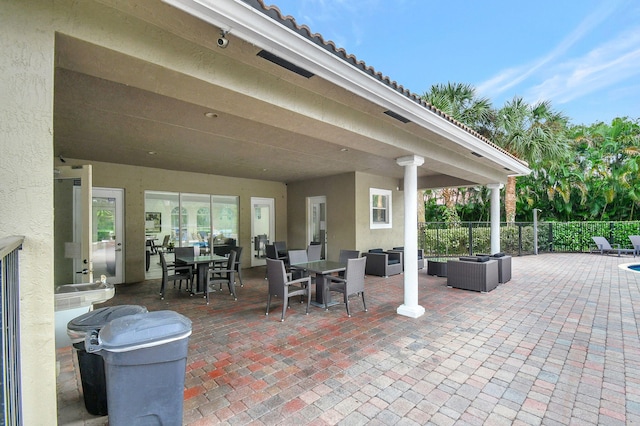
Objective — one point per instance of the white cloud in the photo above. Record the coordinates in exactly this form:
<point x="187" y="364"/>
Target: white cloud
<point x="605" y="66"/>
<point x="512" y="77"/>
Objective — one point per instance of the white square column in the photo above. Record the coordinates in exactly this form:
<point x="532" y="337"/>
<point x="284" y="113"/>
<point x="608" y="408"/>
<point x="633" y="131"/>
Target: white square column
<point x="495" y="216"/>
<point x="410" y="308"/>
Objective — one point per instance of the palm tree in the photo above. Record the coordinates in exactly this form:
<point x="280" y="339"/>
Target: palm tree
<point x="533" y="133"/>
<point x="460" y="102"/>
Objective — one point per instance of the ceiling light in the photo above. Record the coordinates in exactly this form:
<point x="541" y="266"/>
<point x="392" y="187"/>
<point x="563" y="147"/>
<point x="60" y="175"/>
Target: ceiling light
<point x="152" y="153"/>
<point x="210" y="114"/>
<point x="344" y="150"/>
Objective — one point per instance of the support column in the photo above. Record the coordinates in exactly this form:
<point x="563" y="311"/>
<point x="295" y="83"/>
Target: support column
<point x="410" y="308"/>
<point x="495" y="216"/>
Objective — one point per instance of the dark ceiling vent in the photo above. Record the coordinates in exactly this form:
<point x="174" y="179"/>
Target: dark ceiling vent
<point x="476" y="154"/>
<point x="508" y="169"/>
<point x="284" y="64"/>
<point x="397" y="116"/>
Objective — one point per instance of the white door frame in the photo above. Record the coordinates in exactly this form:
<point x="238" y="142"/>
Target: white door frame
<point x="311" y="201"/>
<point x="119" y="238"/>
<point x="259" y="227"/>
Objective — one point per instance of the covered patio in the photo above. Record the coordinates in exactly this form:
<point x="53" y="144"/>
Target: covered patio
<point x="558" y="344"/>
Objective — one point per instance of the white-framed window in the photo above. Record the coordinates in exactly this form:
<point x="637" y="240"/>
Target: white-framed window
<point x="380" y="208"/>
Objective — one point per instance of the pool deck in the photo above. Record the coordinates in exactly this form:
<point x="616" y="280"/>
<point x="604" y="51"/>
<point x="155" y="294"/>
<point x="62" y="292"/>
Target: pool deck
<point x="559" y="344"/>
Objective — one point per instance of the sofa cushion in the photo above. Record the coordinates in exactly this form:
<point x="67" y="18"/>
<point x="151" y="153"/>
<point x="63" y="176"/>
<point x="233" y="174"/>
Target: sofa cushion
<point x="483" y="258"/>
<point x="376" y="250"/>
<point x="469" y="258"/>
<point x="499" y="255"/>
<point x="393" y="262"/>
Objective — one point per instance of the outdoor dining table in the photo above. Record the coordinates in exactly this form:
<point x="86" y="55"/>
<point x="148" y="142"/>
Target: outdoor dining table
<point x="202" y="264"/>
<point x="321" y="268"/>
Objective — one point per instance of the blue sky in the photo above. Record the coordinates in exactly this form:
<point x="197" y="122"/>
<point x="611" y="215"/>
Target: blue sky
<point x="582" y="55"/>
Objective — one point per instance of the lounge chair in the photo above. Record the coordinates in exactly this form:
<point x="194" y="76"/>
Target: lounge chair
<point x="604" y="247"/>
<point x="635" y="241"/>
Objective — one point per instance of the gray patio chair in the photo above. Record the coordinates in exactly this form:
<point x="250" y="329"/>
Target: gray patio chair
<point x="171" y="272"/>
<point x="281" y="286"/>
<point x="346" y="255"/>
<point x="314" y="252"/>
<point x="635" y="242"/>
<point x="605" y="248"/>
<point x="297" y="256"/>
<point x="226" y="275"/>
<point x="352" y="283"/>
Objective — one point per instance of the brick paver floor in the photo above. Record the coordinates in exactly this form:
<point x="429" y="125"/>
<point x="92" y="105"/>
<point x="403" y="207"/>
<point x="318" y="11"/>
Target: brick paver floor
<point x="558" y="344"/>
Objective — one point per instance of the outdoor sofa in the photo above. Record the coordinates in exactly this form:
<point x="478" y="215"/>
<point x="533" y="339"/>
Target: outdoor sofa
<point x="477" y="273"/>
<point x="383" y="264"/>
<point x="420" y="256"/>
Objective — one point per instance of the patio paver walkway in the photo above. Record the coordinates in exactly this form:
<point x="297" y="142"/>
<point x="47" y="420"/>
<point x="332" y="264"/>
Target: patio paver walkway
<point x="558" y="344"/>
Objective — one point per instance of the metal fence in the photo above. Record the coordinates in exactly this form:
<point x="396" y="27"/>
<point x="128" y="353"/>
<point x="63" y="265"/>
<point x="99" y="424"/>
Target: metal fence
<point x="10" y="387"/>
<point x="519" y="238"/>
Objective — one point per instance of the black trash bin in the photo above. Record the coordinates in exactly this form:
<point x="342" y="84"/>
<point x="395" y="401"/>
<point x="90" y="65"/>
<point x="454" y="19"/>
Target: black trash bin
<point x="92" y="374"/>
<point x="145" y="359"/>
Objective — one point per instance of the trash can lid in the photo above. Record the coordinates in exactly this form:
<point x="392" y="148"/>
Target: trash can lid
<point x="144" y="330"/>
<point x="95" y="320"/>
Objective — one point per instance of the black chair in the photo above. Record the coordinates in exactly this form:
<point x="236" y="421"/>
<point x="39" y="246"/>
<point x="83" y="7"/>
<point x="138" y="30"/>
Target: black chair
<point x="223" y="276"/>
<point x="281" y="286"/>
<point x="281" y="248"/>
<point x="171" y="272"/>
<point x="185" y="252"/>
<point x="352" y="283"/>
<point x="238" y="265"/>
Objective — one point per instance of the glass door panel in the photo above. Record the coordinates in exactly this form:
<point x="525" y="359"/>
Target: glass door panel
<point x="262" y="228"/>
<point x="107" y="235"/>
<point x="195" y="230"/>
<point x="317" y="222"/>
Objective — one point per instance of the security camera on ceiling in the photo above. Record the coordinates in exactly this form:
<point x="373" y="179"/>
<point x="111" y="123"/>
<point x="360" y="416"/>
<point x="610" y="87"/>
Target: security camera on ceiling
<point x="222" y="41"/>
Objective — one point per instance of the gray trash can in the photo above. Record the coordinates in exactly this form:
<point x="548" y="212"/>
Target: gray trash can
<point x="145" y="358"/>
<point x="94" y="388"/>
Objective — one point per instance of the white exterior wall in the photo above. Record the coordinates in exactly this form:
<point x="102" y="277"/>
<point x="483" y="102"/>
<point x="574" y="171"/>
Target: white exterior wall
<point x="26" y="189"/>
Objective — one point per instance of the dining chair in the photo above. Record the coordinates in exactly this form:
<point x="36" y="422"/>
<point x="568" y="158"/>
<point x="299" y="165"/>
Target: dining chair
<point x="272" y="253"/>
<point x="281" y="286"/>
<point x="238" y="265"/>
<point x="352" y="283"/>
<point x="185" y="252"/>
<point x="346" y="255"/>
<point x="172" y="272"/>
<point x="165" y="244"/>
<point x="223" y="276"/>
<point x="314" y="252"/>
<point x="297" y="256"/>
<point x="281" y="248"/>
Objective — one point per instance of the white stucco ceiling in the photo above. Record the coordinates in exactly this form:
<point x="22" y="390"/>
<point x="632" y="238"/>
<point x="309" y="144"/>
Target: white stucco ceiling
<point x="116" y="101"/>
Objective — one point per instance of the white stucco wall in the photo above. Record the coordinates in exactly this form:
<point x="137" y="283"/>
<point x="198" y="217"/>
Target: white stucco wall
<point x="26" y="194"/>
